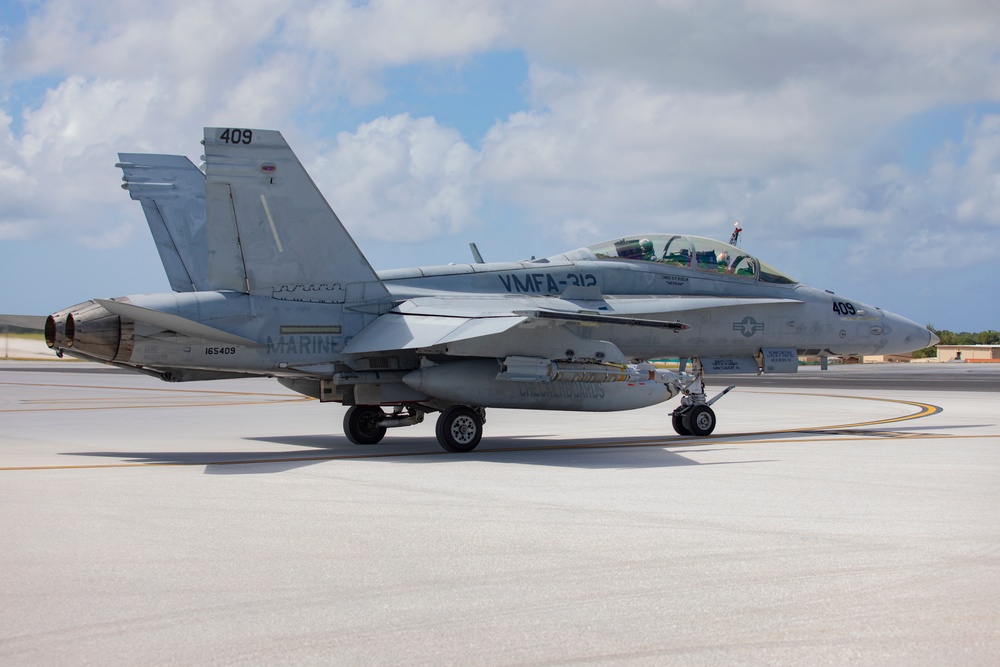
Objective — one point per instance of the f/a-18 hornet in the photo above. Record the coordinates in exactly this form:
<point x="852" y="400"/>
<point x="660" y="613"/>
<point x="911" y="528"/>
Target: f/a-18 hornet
<point x="267" y="282"/>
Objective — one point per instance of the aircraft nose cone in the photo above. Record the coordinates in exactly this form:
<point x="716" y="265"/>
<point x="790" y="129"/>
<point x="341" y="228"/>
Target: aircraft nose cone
<point x="908" y="336"/>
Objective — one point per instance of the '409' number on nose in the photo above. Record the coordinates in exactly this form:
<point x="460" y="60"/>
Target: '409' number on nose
<point x="844" y="308"/>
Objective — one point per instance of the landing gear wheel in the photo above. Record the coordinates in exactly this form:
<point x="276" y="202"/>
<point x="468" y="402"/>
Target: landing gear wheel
<point x="363" y="424"/>
<point x="678" y="422"/>
<point x="459" y="429"/>
<point x="699" y="420"/>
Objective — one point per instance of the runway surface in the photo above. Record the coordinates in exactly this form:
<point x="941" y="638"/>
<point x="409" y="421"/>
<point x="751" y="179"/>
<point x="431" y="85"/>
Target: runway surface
<point x="846" y="516"/>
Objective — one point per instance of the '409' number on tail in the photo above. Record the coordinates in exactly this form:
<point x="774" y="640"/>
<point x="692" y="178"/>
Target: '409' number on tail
<point x="236" y="136"/>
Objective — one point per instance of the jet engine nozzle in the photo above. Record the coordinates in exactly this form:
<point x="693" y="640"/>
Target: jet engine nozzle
<point x="90" y="331"/>
<point x="55" y="329"/>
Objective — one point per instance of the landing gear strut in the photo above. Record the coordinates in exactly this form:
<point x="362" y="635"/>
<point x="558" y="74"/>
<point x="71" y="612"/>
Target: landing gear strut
<point x="694" y="416"/>
<point x="366" y="424"/>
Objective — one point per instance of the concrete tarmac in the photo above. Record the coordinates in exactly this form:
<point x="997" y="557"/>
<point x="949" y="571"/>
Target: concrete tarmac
<point x="848" y="517"/>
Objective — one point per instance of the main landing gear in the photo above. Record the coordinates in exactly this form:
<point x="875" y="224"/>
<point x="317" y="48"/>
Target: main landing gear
<point x="363" y="424"/>
<point x="694" y="416"/>
<point x="459" y="428"/>
<point x="366" y="424"/>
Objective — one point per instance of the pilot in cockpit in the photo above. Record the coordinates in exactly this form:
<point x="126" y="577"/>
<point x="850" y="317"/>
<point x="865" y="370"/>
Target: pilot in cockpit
<point x="647" y="250"/>
<point x="681" y="258"/>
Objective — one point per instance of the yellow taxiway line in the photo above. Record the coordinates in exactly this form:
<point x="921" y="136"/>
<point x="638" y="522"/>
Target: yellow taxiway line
<point x="191" y="394"/>
<point x="923" y="410"/>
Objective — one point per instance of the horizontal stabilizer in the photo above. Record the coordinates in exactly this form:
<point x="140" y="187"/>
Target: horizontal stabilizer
<point x="169" y="322"/>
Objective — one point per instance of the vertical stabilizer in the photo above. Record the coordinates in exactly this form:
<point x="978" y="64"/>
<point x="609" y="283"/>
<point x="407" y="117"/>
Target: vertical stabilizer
<point x="172" y="193"/>
<point x="291" y="242"/>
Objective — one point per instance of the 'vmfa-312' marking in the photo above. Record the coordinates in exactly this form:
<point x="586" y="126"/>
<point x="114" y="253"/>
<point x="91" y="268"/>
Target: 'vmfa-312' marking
<point x="545" y="283"/>
<point x="267" y="281"/>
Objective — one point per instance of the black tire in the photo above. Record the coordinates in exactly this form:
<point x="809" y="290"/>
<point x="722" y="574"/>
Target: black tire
<point x="459" y="429"/>
<point x="678" y="422"/>
<point x="363" y="424"/>
<point x="700" y="420"/>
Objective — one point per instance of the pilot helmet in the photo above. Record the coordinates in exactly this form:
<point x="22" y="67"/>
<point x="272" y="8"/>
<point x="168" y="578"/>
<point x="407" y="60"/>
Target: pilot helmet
<point x="646" y="245"/>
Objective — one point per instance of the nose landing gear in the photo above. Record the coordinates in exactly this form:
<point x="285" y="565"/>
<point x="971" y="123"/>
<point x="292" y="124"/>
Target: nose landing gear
<point x="694" y="416"/>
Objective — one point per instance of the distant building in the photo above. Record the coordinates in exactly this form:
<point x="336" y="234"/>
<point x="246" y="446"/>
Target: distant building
<point x="887" y="358"/>
<point x="970" y="353"/>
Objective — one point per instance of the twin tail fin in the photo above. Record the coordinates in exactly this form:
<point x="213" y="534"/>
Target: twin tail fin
<point x="252" y="222"/>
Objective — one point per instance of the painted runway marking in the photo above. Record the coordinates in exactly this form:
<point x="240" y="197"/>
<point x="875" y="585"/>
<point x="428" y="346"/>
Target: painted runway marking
<point x="178" y="398"/>
<point x="836" y="433"/>
<point x="925" y="410"/>
<point x="727" y="440"/>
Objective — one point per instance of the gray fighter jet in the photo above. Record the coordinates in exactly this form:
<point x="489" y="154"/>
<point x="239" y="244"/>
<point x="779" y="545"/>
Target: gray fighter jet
<point x="267" y="282"/>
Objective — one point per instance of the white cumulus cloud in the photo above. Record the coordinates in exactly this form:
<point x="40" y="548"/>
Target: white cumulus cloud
<point x="401" y="179"/>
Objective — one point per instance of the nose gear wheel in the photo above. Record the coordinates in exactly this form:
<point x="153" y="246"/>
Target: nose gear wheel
<point x="694" y="416"/>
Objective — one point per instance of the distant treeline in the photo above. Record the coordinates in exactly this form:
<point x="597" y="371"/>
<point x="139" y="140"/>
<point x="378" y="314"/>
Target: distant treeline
<point x="988" y="337"/>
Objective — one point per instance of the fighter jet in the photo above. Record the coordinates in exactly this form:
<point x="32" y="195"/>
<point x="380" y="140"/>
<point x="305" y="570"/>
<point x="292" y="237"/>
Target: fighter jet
<point x="268" y="282"/>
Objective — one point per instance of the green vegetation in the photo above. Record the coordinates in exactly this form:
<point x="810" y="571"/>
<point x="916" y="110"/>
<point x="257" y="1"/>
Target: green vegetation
<point x="988" y="337"/>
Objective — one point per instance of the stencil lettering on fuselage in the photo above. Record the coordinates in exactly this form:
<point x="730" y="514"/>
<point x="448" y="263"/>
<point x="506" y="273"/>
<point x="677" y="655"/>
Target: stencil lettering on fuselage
<point x="545" y="283"/>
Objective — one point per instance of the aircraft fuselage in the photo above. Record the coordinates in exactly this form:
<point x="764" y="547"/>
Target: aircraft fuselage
<point x="269" y="282"/>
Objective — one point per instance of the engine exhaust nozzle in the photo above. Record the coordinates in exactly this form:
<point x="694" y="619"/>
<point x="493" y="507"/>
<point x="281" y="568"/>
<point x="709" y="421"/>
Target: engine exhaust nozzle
<point x="89" y="330"/>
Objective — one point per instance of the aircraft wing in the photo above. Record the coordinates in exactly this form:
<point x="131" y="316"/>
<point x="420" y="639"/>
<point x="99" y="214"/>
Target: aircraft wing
<point x="515" y="334"/>
<point x="503" y="325"/>
<point x="687" y="304"/>
<point x="398" y="331"/>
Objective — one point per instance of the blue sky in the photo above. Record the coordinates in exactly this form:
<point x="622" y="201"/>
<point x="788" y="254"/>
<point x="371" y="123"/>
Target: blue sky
<point x="858" y="143"/>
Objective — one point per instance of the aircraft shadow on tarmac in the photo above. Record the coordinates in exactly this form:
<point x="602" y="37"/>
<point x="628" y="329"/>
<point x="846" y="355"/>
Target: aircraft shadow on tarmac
<point x="593" y="453"/>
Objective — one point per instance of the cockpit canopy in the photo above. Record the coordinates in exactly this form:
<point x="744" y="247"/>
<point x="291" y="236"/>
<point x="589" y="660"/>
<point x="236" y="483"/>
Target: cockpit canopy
<point x="692" y="252"/>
